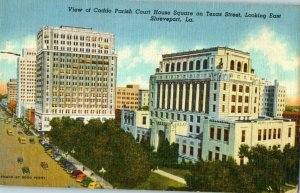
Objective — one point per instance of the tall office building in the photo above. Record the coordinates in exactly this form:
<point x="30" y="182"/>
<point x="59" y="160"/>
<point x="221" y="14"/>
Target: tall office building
<point x="76" y="74"/>
<point x="26" y="73"/>
<point x="127" y="97"/>
<point x="209" y="101"/>
<point x="11" y="90"/>
<point x="143" y="97"/>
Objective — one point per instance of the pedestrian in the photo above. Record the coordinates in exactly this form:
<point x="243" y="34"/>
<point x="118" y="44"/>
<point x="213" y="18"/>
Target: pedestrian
<point x="83" y="168"/>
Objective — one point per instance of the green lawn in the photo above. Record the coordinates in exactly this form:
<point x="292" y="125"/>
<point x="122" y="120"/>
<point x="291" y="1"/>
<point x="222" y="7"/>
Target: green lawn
<point x="177" y="172"/>
<point x="158" y="182"/>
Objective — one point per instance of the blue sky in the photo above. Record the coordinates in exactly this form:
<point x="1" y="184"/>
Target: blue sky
<point x="274" y="44"/>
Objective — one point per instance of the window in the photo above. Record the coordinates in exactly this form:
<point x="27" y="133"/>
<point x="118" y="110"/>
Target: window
<point x="198" y="65"/>
<point x="191" y="128"/>
<point x="232" y="98"/>
<point x="183" y="149"/>
<point x="265" y="134"/>
<point x="278" y="133"/>
<point x="240" y="88"/>
<point x="191" y="151"/>
<point x="270" y="134"/>
<point x="205" y="66"/>
<point x="210" y="156"/>
<point x="224" y="157"/>
<point x="191" y="118"/>
<point x="219" y="134"/>
<point x="259" y="135"/>
<point x="232" y="65"/>
<point x="199" y="152"/>
<point x="247" y="89"/>
<point x="172" y="67"/>
<point x="214" y="108"/>
<point x="245" y="67"/>
<point x="232" y="109"/>
<point x="239" y="109"/>
<point x="274" y="133"/>
<point x="242" y="160"/>
<point x="217" y="156"/>
<point x="215" y="97"/>
<point x="178" y="66"/>
<point x="178" y="116"/>
<point x="245" y="109"/>
<point x="223" y="108"/>
<point x="224" y="97"/>
<point x="212" y="132"/>
<point x="226" y="135"/>
<point x="215" y="86"/>
<point x="243" y="136"/>
<point x="191" y="65"/>
<point x="198" y="119"/>
<point x="239" y="66"/>
<point x="184" y="117"/>
<point x="240" y="99"/>
<point x="224" y="86"/>
<point x="184" y="66"/>
<point x="144" y="120"/>
<point x="246" y="99"/>
<point x="167" y="67"/>
<point x="198" y="129"/>
<point x="233" y="87"/>
<point x="290" y="132"/>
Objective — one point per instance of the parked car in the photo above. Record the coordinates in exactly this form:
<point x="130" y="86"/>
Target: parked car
<point x="20" y="160"/>
<point x="9" y="132"/>
<point x="75" y="173"/>
<point x="71" y="169"/>
<point x="26" y="170"/>
<point x="44" y="165"/>
<point x="80" y="177"/>
<point x="94" y="185"/>
<point x="86" y="181"/>
<point x="57" y="158"/>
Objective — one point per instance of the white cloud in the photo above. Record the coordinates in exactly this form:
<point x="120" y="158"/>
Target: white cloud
<point x="146" y="53"/>
<point x="274" y="48"/>
<point x="143" y="82"/>
<point x="15" y="47"/>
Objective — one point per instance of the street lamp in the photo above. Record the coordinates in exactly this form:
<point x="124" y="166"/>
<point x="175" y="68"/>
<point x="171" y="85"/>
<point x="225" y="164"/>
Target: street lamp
<point x="16" y="54"/>
<point x="102" y="171"/>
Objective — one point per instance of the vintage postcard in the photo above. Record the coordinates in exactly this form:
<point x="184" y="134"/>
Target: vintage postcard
<point x="150" y="95"/>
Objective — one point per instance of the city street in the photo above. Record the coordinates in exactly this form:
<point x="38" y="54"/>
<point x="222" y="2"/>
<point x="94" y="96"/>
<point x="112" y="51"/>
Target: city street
<point x="33" y="155"/>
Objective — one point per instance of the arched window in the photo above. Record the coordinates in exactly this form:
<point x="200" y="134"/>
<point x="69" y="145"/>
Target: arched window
<point x="232" y="65"/>
<point x="184" y="66"/>
<point x="198" y="65"/>
<point x="178" y="66"/>
<point x="239" y="66"/>
<point x="167" y="67"/>
<point x="245" y="67"/>
<point x="172" y="67"/>
<point x="191" y="65"/>
<point x="205" y="65"/>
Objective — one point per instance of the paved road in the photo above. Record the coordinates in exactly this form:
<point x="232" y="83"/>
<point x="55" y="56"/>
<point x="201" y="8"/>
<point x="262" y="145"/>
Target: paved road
<point x="33" y="154"/>
<point x="170" y="176"/>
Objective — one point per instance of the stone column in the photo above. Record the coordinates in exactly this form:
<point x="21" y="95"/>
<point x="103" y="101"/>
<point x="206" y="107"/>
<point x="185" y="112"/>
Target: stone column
<point x="183" y="96"/>
<point x="197" y="98"/>
<point x="166" y="96"/>
<point x="160" y="95"/>
<point x="172" y="95"/>
<point x="204" y="96"/>
<point x="191" y="97"/>
<point x="177" y="97"/>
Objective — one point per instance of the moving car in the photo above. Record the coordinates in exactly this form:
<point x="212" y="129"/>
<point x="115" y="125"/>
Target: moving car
<point x="20" y="160"/>
<point x="44" y="165"/>
<point x="80" y="177"/>
<point x="94" y="185"/>
<point x="22" y="139"/>
<point x="26" y="170"/>
<point x="9" y="132"/>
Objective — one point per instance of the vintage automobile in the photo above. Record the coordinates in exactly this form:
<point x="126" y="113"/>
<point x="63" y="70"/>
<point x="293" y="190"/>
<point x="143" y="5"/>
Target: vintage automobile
<point x="94" y="185"/>
<point x="44" y="165"/>
<point x="20" y="160"/>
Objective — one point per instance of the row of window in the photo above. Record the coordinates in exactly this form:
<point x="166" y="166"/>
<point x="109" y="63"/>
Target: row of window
<point x="267" y="133"/>
<point x="172" y="116"/>
<point x="171" y="68"/>
<point x="78" y="37"/>
<point x="217" y="156"/>
<point x="218" y="134"/>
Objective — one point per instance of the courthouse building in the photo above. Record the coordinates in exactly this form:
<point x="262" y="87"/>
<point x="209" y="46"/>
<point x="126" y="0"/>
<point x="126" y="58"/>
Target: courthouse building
<point x="192" y="92"/>
<point x="76" y="74"/>
<point x="26" y="82"/>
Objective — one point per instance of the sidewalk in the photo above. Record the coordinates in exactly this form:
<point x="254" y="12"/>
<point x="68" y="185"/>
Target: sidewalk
<point x="170" y="176"/>
<point x="88" y="172"/>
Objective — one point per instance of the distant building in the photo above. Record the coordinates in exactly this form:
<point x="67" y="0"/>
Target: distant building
<point x="143" y="98"/>
<point x="26" y="81"/>
<point x="12" y="95"/>
<point x="294" y="116"/>
<point x="210" y="102"/>
<point x="273" y="100"/>
<point x="137" y="123"/>
<point x="76" y="75"/>
<point x="4" y="103"/>
<point x="127" y="97"/>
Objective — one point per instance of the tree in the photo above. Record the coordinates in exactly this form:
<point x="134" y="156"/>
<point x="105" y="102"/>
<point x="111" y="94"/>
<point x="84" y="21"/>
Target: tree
<point x="167" y="154"/>
<point x="102" y="144"/>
